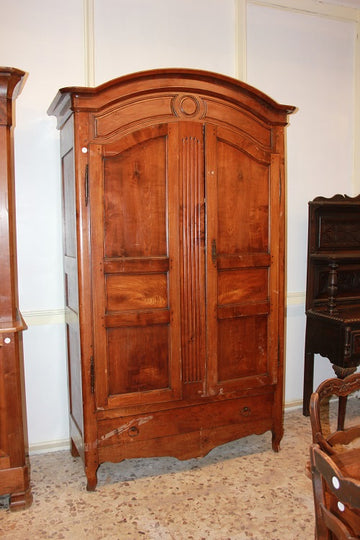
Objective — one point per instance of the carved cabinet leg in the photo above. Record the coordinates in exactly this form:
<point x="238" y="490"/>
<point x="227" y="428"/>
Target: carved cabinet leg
<point x="308" y="381"/>
<point x="277" y="435"/>
<point x="20" y="501"/>
<point x="91" y="475"/>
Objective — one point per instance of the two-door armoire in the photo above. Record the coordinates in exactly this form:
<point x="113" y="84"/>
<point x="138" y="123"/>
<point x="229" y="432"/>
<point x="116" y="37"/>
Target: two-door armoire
<point x="174" y="240"/>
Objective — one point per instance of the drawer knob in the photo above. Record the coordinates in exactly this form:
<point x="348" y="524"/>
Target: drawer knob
<point x="246" y="411"/>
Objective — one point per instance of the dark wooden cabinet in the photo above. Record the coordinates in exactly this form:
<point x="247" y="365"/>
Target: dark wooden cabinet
<point x="333" y="287"/>
<point x="14" y="469"/>
<point x="174" y="198"/>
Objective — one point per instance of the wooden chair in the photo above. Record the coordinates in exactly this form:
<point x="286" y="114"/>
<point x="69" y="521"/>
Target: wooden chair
<point x="332" y="440"/>
<point x="336" y="488"/>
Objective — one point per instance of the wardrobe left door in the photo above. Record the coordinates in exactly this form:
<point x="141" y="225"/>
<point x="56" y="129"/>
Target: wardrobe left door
<point x="133" y="198"/>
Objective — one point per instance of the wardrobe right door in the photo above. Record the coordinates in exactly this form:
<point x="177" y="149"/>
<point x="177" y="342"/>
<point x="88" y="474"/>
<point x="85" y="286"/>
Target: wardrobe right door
<point x="242" y="261"/>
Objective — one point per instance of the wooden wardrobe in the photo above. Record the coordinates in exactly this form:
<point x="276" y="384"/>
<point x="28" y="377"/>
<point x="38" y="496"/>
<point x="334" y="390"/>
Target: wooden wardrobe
<point x="174" y="239"/>
<point x="14" y="468"/>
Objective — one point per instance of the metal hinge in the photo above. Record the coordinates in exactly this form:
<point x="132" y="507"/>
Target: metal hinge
<point x="92" y="375"/>
<point x="86" y="184"/>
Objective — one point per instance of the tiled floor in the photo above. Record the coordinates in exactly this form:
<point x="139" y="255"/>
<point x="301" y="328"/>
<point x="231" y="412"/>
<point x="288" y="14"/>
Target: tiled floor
<point x="238" y="491"/>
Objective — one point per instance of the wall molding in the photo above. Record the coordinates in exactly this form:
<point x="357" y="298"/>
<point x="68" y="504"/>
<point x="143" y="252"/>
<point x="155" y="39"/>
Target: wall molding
<point x="49" y="446"/>
<point x="89" y="42"/>
<point x="312" y="7"/>
<point x="240" y="39"/>
<point x="295" y="299"/>
<point x="44" y="317"/>
<point x="57" y="316"/>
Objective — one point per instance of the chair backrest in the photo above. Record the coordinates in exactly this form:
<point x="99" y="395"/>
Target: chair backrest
<point x="341" y="388"/>
<point x="336" y="497"/>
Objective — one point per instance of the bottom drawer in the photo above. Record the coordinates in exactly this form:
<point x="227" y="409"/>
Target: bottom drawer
<point x="197" y="418"/>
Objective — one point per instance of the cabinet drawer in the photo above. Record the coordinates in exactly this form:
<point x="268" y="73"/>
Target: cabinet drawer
<point x="184" y="420"/>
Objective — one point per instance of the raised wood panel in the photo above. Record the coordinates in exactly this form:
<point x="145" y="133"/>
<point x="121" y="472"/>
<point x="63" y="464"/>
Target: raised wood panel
<point x="243" y="201"/>
<point x="242" y="348"/>
<point x="139" y="359"/>
<point x="137" y="176"/>
<point x="156" y="108"/>
<point x="254" y="134"/>
<point x="127" y="292"/>
<point x="71" y="284"/>
<point x="69" y="204"/>
<point x="337" y="232"/>
<point x="240" y="286"/>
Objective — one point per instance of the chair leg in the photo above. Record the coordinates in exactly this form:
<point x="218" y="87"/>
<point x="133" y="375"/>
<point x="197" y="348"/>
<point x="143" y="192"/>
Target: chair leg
<point x="341" y="412"/>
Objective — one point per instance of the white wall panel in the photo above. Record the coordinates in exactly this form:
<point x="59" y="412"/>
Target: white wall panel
<point x="133" y="35"/>
<point x="46" y="384"/>
<point x="45" y="39"/>
<point x="307" y="61"/>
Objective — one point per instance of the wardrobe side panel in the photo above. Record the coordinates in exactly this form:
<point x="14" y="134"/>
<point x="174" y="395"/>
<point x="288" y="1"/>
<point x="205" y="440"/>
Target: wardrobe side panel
<point x="71" y="273"/>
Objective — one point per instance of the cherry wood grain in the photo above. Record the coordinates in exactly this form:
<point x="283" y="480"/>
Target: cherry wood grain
<point x="14" y="467"/>
<point x="175" y="183"/>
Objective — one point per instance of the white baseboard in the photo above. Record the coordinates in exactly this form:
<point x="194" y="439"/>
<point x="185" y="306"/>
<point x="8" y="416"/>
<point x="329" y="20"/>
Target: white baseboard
<point x="291" y="405"/>
<point x="49" y="446"/>
<point x="45" y="316"/>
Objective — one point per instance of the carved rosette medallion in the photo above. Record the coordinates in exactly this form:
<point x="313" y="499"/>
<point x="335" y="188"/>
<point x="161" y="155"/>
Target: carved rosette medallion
<point x="188" y="106"/>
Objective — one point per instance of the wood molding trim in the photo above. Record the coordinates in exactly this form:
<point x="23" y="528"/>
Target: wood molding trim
<point x="89" y="42"/>
<point x="240" y="39"/>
